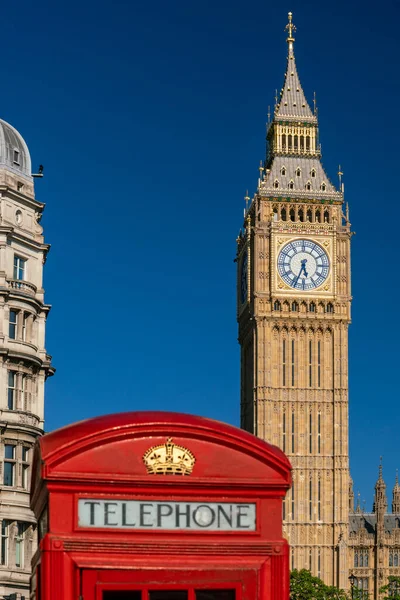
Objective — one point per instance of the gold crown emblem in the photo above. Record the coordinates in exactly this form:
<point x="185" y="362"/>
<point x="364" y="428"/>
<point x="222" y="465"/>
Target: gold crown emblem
<point x="169" y="459"/>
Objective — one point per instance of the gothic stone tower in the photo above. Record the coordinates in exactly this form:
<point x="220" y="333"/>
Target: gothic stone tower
<point x="294" y="299"/>
<point x="24" y="363"/>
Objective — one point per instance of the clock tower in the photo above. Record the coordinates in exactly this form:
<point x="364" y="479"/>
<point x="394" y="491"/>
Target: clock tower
<point x="293" y="258"/>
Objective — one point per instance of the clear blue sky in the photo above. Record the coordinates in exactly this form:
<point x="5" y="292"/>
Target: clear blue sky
<point x="149" y="118"/>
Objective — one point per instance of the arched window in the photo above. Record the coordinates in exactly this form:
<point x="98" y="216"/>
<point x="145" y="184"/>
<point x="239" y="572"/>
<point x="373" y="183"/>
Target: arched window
<point x="298" y="172"/>
<point x="312" y="307"/>
<point x="289" y="142"/>
<point x="302" y="142"/>
<point x="308" y="185"/>
<point x="309" y="215"/>
<point x="284" y="141"/>
<point x="307" y="142"/>
<point x="356" y="558"/>
<point x="292" y="215"/>
<point x="318" y="216"/>
<point x="301" y="215"/>
<point x="296" y="142"/>
<point x="326" y="216"/>
<point x="396" y="559"/>
<point x="390" y="559"/>
<point x="277" y="305"/>
<point x="329" y="308"/>
<point x="283" y="214"/>
<point x="291" y="184"/>
<point x="313" y="173"/>
<point x="295" y="307"/>
<point x="323" y="186"/>
<point x="283" y="171"/>
<point x="276" y="184"/>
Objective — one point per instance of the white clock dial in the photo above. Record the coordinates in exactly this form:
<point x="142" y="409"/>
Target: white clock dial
<point x="303" y="264"/>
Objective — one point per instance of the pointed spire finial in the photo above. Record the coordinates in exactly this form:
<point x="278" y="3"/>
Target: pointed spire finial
<point x="396" y="481"/>
<point x="380" y="468"/>
<point x="290" y="28"/>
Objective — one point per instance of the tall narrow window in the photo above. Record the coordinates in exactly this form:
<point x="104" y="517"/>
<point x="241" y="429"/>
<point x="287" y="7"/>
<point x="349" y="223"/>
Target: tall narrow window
<point x="25" y="467"/>
<point x="319" y="500"/>
<point x="292" y="501"/>
<point x="310" y="500"/>
<point x="9" y="465"/>
<point x="284" y="432"/>
<point x="292" y="362"/>
<point x="310" y="434"/>
<point x="11" y="392"/>
<point x="310" y="560"/>
<point x="284" y="141"/>
<point x="284" y="509"/>
<point x="5" y="525"/>
<point x="16" y="157"/>
<point x="19" y="544"/>
<point x="12" y="327"/>
<point x="356" y="558"/>
<point x="319" y="434"/>
<point x="19" y="268"/>
<point x="293" y="424"/>
<point x="284" y="362"/>
<point x="310" y="363"/>
<point x="292" y="553"/>
<point x="319" y="364"/>
<point x="25" y="317"/>
<point x="319" y="562"/>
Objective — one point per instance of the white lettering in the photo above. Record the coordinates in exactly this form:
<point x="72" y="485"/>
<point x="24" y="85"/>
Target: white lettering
<point x="137" y="514"/>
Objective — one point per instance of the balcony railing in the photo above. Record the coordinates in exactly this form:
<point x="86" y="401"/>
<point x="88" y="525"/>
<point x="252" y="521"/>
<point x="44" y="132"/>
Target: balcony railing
<point x="22" y="286"/>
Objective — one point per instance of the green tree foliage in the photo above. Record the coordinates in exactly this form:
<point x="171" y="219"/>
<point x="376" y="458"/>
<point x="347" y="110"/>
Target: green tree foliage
<point x="391" y="591"/>
<point x="303" y="586"/>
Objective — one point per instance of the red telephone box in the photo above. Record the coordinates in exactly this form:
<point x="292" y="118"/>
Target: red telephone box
<point x="158" y="506"/>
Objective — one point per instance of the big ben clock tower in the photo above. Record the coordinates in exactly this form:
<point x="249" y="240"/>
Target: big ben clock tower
<point x="294" y="298"/>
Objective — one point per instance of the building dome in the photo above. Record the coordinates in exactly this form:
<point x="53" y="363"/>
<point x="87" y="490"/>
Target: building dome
<point x="14" y="153"/>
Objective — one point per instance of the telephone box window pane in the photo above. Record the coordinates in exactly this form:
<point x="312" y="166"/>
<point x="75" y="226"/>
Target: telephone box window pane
<point x="215" y="594"/>
<point x="168" y="595"/>
<point x="122" y="595"/>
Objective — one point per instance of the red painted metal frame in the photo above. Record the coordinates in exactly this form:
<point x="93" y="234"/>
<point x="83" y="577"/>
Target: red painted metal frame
<point x="102" y="458"/>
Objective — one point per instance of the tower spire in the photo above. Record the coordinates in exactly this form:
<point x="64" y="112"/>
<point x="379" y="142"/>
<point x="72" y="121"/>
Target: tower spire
<point x="290" y="28"/>
<point x="396" y="495"/>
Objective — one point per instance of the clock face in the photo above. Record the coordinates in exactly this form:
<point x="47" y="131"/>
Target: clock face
<point x="303" y="264"/>
<point x="243" y="279"/>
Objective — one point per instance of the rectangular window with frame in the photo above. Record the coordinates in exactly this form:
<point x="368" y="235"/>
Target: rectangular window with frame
<point x="19" y="544"/>
<point x="319" y="364"/>
<point x="16" y="157"/>
<point x="5" y="526"/>
<point x="293" y="358"/>
<point x="284" y="432"/>
<point x="9" y="465"/>
<point x="319" y="434"/>
<point x="293" y="501"/>
<point x="310" y="363"/>
<point x="293" y="432"/>
<point x="25" y="467"/>
<point x="284" y="362"/>
<point x="319" y="500"/>
<point x="12" y="324"/>
<point x="19" y="268"/>
<point x="11" y="390"/>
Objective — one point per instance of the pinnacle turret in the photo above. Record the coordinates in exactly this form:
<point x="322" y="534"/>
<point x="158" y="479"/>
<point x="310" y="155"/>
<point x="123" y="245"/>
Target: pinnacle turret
<point x="380" y="502"/>
<point x="396" y="495"/>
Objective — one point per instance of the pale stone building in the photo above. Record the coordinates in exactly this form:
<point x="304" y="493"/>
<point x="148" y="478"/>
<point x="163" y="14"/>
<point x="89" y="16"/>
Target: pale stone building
<point x="24" y="363"/>
<point x="374" y="540"/>
<point x="294" y="298"/>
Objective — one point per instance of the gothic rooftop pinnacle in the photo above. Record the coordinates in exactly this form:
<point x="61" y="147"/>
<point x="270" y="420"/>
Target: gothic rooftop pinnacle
<point x="292" y="104"/>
